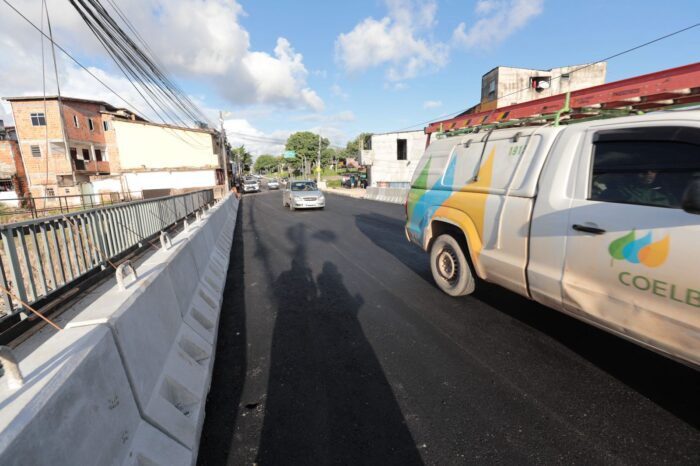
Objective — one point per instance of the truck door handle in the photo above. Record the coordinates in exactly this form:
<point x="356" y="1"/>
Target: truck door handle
<point x="585" y="229"/>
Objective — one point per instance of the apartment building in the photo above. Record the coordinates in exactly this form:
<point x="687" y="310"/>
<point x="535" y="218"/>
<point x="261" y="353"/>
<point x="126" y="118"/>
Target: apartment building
<point x="80" y="146"/>
<point x="62" y="144"/>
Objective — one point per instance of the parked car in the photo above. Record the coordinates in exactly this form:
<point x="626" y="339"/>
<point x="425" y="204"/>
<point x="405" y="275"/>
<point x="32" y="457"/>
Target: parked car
<point x="597" y="219"/>
<point x="303" y="195"/>
<point x="273" y="184"/>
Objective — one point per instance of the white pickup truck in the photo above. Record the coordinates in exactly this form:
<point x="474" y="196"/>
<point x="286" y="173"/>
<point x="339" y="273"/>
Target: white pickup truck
<point x="597" y="219"/>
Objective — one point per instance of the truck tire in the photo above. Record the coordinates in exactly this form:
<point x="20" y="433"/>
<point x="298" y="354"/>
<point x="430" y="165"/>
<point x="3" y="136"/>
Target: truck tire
<point x="450" y="267"/>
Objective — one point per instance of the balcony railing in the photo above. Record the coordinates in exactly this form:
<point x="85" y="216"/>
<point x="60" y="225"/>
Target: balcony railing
<point x="91" y="166"/>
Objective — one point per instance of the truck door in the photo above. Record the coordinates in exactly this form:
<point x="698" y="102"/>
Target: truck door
<point x="632" y="258"/>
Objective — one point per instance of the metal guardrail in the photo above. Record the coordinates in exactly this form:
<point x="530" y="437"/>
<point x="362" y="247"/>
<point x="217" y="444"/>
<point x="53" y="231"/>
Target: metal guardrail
<point x="40" y="257"/>
<point x="46" y="206"/>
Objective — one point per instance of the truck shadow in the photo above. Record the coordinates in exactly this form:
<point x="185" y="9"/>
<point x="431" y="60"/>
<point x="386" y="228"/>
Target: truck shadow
<point x="328" y="399"/>
<point x="667" y="383"/>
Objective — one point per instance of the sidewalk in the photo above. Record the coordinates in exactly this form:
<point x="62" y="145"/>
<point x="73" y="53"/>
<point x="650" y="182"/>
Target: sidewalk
<point x="357" y="193"/>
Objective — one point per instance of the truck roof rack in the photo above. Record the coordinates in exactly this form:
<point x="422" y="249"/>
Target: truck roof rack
<point x="667" y="89"/>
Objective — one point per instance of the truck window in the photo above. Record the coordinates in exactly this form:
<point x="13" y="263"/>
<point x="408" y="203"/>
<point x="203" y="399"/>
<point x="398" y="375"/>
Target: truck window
<point x="644" y="172"/>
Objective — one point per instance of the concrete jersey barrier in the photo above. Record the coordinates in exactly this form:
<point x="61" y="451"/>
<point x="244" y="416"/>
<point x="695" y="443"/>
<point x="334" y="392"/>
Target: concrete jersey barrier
<point x="391" y="195"/>
<point x="152" y="342"/>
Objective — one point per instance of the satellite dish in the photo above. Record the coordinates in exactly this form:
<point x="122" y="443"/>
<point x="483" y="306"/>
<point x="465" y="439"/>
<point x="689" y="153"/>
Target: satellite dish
<point x="542" y="84"/>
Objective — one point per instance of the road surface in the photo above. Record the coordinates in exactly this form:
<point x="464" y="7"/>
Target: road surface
<point x="335" y="347"/>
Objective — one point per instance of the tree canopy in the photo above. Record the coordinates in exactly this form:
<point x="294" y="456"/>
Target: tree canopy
<point x="305" y="144"/>
<point x="241" y="155"/>
<point x="266" y="163"/>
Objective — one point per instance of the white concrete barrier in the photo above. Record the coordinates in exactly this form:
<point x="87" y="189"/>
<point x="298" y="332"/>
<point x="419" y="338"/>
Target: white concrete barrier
<point x="391" y="195"/>
<point x="163" y="328"/>
<point x="76" y="407"/>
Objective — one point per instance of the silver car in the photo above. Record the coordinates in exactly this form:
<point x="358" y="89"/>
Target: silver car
<point x="302" y="195"/>
<point x="273" y="184"/>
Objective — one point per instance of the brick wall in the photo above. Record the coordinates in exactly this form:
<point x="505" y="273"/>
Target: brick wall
<point x="43" y="170"/>
<point x="84" y="111"/>
<point x="7" y="158"/>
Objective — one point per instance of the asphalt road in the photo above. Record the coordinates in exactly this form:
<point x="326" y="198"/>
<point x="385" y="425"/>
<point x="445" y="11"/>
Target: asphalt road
<point x="335" y="347"/>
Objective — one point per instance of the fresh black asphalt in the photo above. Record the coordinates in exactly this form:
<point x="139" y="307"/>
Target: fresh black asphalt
<point x="335" y="347"/>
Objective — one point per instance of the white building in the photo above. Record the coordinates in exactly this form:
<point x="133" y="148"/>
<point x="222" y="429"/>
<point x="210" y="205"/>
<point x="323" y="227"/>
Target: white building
<point x="391" y="158"/>
<point x="158" y="158"/>
<point x="504" y="85"/>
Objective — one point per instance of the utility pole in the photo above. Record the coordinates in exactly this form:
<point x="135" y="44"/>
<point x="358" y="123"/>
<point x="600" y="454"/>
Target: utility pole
<point x="318" y="161"/>
<point x="223" y="151"/>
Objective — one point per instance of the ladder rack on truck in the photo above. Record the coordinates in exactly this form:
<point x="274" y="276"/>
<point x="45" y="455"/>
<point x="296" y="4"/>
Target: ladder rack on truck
<point x="661" y="90"/>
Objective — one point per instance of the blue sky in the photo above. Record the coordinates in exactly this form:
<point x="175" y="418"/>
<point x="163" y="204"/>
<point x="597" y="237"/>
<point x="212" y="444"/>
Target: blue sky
<point x="345" y="67"/>
<point x="566" y="32"/>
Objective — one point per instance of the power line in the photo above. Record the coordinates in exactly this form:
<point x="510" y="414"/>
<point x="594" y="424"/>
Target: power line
<point x="87" y="70"/>
<point x="618" y="54"/>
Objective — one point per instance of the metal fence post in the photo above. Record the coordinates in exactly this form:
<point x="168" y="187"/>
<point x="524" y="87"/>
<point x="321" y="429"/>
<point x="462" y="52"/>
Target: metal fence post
<point x="8" y="241"/>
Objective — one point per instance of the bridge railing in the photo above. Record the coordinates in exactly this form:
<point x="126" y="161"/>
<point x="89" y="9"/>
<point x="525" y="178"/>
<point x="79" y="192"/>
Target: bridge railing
<point x="41" y="257"/>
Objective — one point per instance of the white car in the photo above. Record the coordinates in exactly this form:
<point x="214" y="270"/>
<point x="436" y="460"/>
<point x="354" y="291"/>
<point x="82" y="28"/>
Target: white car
<point x="273" y="184"/>
<point x="251" y="186"/>
<point x="303" y="195"/>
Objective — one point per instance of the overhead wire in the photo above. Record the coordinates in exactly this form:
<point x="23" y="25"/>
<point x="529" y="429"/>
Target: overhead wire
<point x="611" y="57"/>
<point x="131" y="106"/>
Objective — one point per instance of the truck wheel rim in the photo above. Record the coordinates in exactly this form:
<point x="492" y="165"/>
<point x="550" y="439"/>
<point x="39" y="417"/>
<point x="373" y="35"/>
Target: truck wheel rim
<point x="448" y="265"/>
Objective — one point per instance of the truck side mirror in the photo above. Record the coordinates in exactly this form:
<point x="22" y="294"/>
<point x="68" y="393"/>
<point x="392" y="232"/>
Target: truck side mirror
<point x="691" y="197"/>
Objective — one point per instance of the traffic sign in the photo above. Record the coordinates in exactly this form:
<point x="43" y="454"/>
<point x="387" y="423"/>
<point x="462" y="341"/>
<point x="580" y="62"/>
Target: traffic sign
<point x="290" y="154"/>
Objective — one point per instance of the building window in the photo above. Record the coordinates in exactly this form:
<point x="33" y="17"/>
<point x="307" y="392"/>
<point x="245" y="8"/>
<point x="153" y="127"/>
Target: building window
<point x="6" y="185"/>
<point x="540" y="83"/>
<point x="565" y="76"/>
<point x="105" y="125"/>
<point x="401" y="149"/>
<point x="50" y="192"/>
<point x="86" y="154"/>
<point x="75" y="121"/>
<point x="91" y="125"/>
<point x="36" y="151"/>
<point x="491" y="90"/>
<point x="98" y="155"/>
<point x="73" y="153"/>
<point x="38" y="119"/>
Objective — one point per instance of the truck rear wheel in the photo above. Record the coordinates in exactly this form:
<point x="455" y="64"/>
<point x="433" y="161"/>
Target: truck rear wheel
<point x="451" y="270"/>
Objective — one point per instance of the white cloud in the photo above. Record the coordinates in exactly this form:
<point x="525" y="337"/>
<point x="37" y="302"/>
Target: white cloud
<point x="239" y="131"/>
<point x="341" y="117"/>
<point x="432" y="104"/>
<point x="191" y="38"/>
<point x="399" y="40"/>
<point x="499" y="19"/>
<point x="339" y="92"/>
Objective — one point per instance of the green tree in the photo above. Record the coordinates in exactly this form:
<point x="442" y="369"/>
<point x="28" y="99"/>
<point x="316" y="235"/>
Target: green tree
<point x="353" y="148"/>
<point x="265" y="163"/>
<point x="242" y="156"/>
<point x="305" y="144"/>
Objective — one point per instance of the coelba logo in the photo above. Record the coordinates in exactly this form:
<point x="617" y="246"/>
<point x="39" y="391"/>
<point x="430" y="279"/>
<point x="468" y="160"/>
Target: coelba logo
<point x="640" y="250"/>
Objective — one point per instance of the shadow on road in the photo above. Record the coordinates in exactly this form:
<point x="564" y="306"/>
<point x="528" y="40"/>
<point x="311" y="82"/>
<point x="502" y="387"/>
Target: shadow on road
<point x="665" y="382"/>
<point x="388" y="234"/>
<point x="230" y="365"/>
<point x="328" y="400"/>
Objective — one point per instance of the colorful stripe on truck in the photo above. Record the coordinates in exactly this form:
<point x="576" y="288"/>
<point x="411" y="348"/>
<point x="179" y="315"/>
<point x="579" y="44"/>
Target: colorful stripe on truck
<point x="439" y="199"/>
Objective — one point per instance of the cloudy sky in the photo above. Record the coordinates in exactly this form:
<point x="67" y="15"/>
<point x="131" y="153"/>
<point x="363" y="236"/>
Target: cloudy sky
<point x="340" y="68"/>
